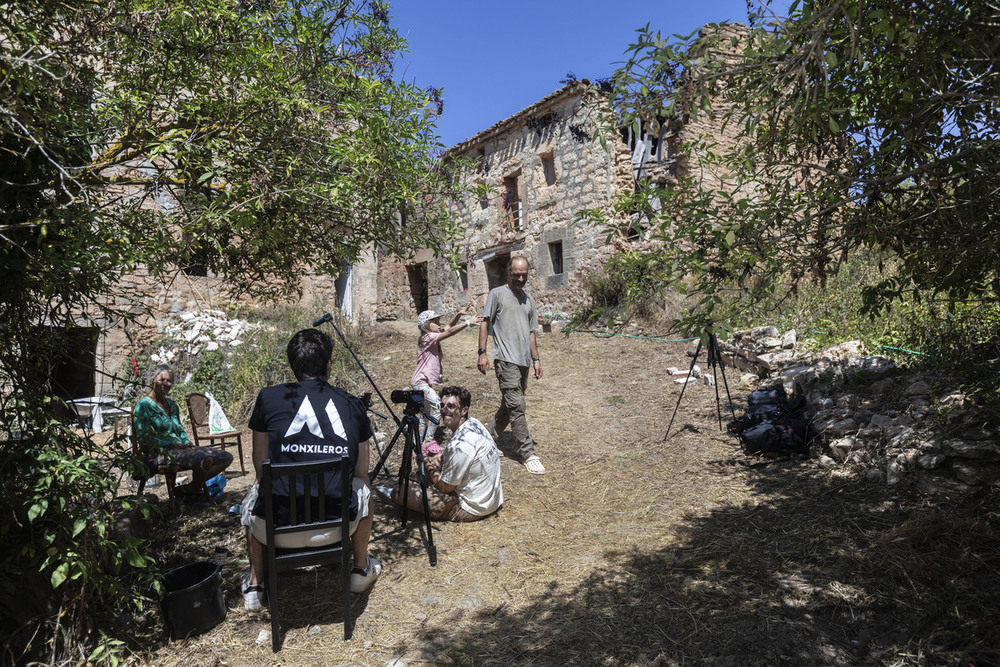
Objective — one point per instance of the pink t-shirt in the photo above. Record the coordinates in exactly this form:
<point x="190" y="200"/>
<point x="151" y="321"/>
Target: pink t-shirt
<point x="428" y="360"/>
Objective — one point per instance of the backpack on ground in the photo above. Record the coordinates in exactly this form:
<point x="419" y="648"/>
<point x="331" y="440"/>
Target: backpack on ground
<point x="772" y="424"/>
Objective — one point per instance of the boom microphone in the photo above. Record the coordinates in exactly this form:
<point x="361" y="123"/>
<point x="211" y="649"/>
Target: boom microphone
<point x="325" y="318"/>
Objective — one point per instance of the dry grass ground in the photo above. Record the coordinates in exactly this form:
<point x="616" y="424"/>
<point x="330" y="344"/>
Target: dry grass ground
<point x="631" y="550"/>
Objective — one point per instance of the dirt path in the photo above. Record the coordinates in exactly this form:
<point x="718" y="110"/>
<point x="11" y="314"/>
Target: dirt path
<point x="630" y="550"/>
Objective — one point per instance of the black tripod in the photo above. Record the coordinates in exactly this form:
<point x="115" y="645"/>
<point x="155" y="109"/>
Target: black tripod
<point x="409" y="428"/>
<point x="714" y="361"/>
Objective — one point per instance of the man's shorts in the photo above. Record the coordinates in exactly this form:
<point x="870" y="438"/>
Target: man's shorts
<point x="306" y="538"/>
<point x="445" y="506"/>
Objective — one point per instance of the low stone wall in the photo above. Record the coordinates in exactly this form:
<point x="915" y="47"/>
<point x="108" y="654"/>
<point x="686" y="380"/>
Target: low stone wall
<point x="898" y="428"/>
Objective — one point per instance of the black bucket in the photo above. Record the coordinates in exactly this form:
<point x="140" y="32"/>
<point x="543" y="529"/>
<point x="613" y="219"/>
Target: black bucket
<point x="192" y="599"/>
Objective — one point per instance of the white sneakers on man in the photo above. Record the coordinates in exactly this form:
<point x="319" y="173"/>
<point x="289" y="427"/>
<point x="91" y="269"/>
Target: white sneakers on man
<point x="363" y="579"/>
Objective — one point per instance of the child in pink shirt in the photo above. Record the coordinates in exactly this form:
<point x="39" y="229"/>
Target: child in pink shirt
<point x="429" y="372"/>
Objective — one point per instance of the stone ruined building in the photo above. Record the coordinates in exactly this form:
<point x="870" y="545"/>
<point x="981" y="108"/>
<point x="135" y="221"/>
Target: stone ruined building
<point x="534" y="172"/>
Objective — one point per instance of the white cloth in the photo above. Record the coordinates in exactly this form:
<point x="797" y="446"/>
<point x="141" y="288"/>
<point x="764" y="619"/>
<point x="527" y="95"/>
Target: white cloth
<point x="471" y="463"/>
<point x="306" y="538"/>
<point x="96" y="419"/>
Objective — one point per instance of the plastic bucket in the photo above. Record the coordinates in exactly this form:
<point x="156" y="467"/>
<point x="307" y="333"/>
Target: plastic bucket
<point x="192" y="600"/>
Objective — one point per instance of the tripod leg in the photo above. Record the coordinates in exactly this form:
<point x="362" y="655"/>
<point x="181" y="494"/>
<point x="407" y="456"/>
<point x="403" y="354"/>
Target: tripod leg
<point x="722" y="371"/>
<point x="683" y="387"/>
<point x="422" y="479"/>
<point x="385" y="454"/>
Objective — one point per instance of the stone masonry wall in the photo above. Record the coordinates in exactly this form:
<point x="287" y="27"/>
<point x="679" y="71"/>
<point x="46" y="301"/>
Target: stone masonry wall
<point x="557" y="131"/>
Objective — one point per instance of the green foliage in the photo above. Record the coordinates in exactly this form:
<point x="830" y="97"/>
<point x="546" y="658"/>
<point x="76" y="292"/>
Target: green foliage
<point x="855" y="126"/>
<point x="262" y="139"/>
<point x="234" y="375"/>
<point x="61" y="562"/>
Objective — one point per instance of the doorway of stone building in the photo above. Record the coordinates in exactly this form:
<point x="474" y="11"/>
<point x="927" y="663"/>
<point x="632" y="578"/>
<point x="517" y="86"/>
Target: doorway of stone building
<point x="344" y="291"/>
<point x="496" y="270"/>
<point x="417" y="275"/>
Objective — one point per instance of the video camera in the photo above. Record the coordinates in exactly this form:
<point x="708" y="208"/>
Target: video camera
<point x="408" y="396"/>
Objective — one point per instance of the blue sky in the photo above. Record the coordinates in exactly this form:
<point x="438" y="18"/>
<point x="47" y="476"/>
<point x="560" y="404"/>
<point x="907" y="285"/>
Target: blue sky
<point x="495" y="58"/>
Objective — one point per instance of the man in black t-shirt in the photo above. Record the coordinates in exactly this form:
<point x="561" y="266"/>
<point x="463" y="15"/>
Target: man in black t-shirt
<point x="309" y="420"/>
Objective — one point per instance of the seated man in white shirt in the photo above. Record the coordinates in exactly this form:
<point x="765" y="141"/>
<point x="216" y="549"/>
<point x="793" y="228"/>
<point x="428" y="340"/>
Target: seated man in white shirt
<point x="464" y="479"/>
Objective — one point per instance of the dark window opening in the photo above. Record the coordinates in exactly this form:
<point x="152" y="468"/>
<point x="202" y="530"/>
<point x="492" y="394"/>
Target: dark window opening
<point x="556" y="257"/>
<point x="512" y="202"/>
<point x="549" y="167"/>
<point x="496" y="271"/>
<point x="417" y="275"/>
<point x="65" y="360"/>
<point x="463" y="276"/>
<point x="198" y="257"/>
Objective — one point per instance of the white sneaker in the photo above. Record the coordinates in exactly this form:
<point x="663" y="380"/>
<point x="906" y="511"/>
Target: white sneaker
<point x="253" y="596"/>
<point x="362" y="580"/>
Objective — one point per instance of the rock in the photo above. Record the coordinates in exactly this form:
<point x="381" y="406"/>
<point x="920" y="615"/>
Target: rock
<point x="773" y="361"/>
<point x="881" y="386"/>
<point x="841" y="447"/>
<point x="976" y="474"/>
<point x="894" y="473"/>
<point x="749" y="381"/>
<point x="788" y="340"/>
<point x="875" y="475"/>
<point x="826" y="462"/>
<point x="980" y="450"/>
<point x="931" y="461"/>
<point x="938" y="484"/>
<point x="840" y="427"/>
<point x="771" y="343"/>
<point x="918" y="388"/>
<point x="843" y="350"/>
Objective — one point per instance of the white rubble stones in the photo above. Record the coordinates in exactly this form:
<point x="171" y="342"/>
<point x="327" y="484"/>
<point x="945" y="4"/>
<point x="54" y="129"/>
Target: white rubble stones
<point x="209" y="329"/>
<point x="202" y="331"/>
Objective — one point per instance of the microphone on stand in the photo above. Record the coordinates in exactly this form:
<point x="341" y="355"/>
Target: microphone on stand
<point x="325" y="318"/>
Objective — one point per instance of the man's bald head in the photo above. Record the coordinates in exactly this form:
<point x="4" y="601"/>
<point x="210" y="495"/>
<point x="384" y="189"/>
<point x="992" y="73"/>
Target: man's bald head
<point x="517" y="273"/>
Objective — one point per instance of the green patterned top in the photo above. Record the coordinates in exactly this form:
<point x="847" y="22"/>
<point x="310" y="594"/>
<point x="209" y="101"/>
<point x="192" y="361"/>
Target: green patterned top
<point x="157" y="428"/>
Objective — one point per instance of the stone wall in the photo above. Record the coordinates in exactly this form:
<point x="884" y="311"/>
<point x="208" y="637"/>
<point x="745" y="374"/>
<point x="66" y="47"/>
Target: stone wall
<point x="546" y="155"/>
<point x="872" y="419"/>
<point x="156" y="303"/>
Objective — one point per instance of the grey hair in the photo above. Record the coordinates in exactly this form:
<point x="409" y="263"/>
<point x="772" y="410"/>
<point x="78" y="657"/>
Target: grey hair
<point x="163" y="368"/>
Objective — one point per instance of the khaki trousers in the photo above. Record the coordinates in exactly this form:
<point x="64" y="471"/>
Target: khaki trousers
<point x="513" y="381"/>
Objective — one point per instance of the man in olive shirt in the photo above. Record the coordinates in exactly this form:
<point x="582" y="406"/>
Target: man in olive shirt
<point x="511" y="311"/>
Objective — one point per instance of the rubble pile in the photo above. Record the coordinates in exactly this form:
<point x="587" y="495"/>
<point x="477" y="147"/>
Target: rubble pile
<point x="202" y="331"/>
<point x="917" y="428"/>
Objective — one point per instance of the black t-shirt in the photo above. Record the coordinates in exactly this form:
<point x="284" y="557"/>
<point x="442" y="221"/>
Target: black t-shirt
<point x="309" y="421"/>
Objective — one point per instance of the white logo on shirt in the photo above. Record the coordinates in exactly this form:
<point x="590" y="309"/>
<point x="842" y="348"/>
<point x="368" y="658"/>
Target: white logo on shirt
<point x="306" y="418"/>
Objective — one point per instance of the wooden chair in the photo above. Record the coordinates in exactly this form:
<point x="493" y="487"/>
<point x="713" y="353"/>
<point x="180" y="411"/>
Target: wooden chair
<point x="307" y="516"/>
<point x="198" y="412"/>
<point x="169" y="473"/>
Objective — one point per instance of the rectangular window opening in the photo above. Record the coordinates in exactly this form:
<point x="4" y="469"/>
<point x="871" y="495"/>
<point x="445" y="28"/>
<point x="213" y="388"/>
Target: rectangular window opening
<point x="512" y="201"/>
<point x="463" y="276"/>
<point x="549" y="167"/>
<point x="556" y="257"/>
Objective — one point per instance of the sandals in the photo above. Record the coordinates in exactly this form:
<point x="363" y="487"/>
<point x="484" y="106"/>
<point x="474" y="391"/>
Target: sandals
<point x="533" y="464"/>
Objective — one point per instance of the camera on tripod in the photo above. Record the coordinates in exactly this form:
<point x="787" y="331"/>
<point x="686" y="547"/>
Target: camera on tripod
<point x="408" y="396"/>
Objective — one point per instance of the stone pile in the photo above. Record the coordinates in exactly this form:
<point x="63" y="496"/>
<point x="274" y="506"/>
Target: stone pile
<point x="202" y="331"/>
<point x="919" y="428"/>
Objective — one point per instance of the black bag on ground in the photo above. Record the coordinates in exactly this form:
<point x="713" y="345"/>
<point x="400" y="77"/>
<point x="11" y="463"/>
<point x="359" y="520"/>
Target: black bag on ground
<point x="771" y="424"/>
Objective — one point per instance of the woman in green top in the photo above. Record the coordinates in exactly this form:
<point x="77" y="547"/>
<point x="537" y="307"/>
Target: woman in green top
<point x="160" y="434"/>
